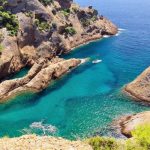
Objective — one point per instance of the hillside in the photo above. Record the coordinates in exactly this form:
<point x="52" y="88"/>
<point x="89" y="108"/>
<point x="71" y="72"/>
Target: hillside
<point x="43" y="29"/>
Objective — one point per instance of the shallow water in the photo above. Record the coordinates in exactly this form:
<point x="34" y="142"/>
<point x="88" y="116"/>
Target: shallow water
<point x="85" y="101"/>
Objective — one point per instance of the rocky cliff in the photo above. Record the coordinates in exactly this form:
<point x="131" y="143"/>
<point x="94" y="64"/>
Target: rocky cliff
<point x="139" y="89"/>
<point x="31" y="31"/>
<point x="40" y="28"/>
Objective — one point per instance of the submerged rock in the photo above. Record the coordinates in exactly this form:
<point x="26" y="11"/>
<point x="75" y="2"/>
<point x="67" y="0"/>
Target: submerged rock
<point x="139" y="89"/>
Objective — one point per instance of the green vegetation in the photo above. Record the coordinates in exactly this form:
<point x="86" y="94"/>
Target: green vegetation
<point x="85" y="22"/>
<point x="66" y="12"/>
<point x="141" y="138"/>
<point x="94" y="18"/>
<point x="42" y="25"/>
<point x="70" y="30"/>
<point x="3" y="2"/>
<point x="29" y="14"/>
<point x="101" y="143"/>
<point x="46" y="2"/>
<point x="1" y="48"/>
<point x="1" y="36"/>
<point x="9" y="21"/>
<point x="139" y="141"/>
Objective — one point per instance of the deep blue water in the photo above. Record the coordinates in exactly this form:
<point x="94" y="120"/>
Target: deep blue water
<point x="85" y="101"/>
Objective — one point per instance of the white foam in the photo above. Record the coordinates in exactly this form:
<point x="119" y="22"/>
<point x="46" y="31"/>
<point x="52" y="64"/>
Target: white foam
<point x="44" y="127"/>
<point x="84" y="60"/>
<point x="121" y="29"/>
<point x="106" y="36"/>
<point x="118" y="33"/>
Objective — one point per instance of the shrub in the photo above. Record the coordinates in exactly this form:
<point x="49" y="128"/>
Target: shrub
<point x="94" y="18"/>
<point x="66" y="12"/>
<point x="139" y="141"/>
<point x="1" y="36"/>
<point x="70" y="30"/>
<point x="85" y="22"/>
<point x="42" y="25"/>
<point x="9" y="21"/>
<point x="46" y="2"/>
<point x="1" y="48"/>
<point x="141" y="136"/>
<point x="101" y="143"/>
<point x="3" y="2"/>
<point x="29" y="14"/>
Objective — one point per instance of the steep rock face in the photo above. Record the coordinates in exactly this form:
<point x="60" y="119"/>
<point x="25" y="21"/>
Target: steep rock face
<point x="128" y="123"/>
<point x="44" y="31"/>
<point x="10" y="58"/>
<point x="49" y="30"/>
<point x="33" y="142"/>
<point x="38" y="78"/>
<point x="65" y="3"/>
<point x="139" y="89"/>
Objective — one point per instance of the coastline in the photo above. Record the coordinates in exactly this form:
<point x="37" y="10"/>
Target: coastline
<point x="135" y="97"/>
<point x="92" y="40"/>
<point x="84" y="60"/>
<point x="11" y="96"/>
<point x="85" y="43"/>
<point x="139" y="87"/>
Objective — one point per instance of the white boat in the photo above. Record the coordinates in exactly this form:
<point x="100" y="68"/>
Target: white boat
<point x="96" y="61"/>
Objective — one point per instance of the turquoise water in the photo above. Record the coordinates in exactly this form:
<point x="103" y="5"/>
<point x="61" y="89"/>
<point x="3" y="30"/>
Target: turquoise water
<point x="86" y="101"/>
<point x="20" y="74"/>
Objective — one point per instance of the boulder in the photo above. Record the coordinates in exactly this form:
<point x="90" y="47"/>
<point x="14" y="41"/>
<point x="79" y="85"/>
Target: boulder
<point x="139" y="89"/>
<point x="129" y="123"/>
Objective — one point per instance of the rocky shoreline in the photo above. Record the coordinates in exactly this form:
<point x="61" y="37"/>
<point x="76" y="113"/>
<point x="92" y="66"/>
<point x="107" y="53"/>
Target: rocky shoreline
<point x="38" y="78"/>
<point x="67" y="31"/>
<point x="45" y="31"/>
<point x="126" y="124"/>
<point x="139" y="88"/>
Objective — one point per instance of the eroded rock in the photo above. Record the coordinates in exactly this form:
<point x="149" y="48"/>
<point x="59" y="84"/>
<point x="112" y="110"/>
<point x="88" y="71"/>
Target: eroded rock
<point x="139" y="89"/>
<point x="46" y="31"/>
<point x="49" y="42"/>
<point x="129" y="123"/>
<point x="38" y="78"/>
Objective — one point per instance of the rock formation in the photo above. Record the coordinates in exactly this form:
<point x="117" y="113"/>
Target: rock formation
<point x="41" y="30"/>
<point x="38" y="78"/>
<point x="33" y="142"/>
<point x="47" y="30"/>
<point x="139" y="89"/>
<point x="128" y="123"/>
